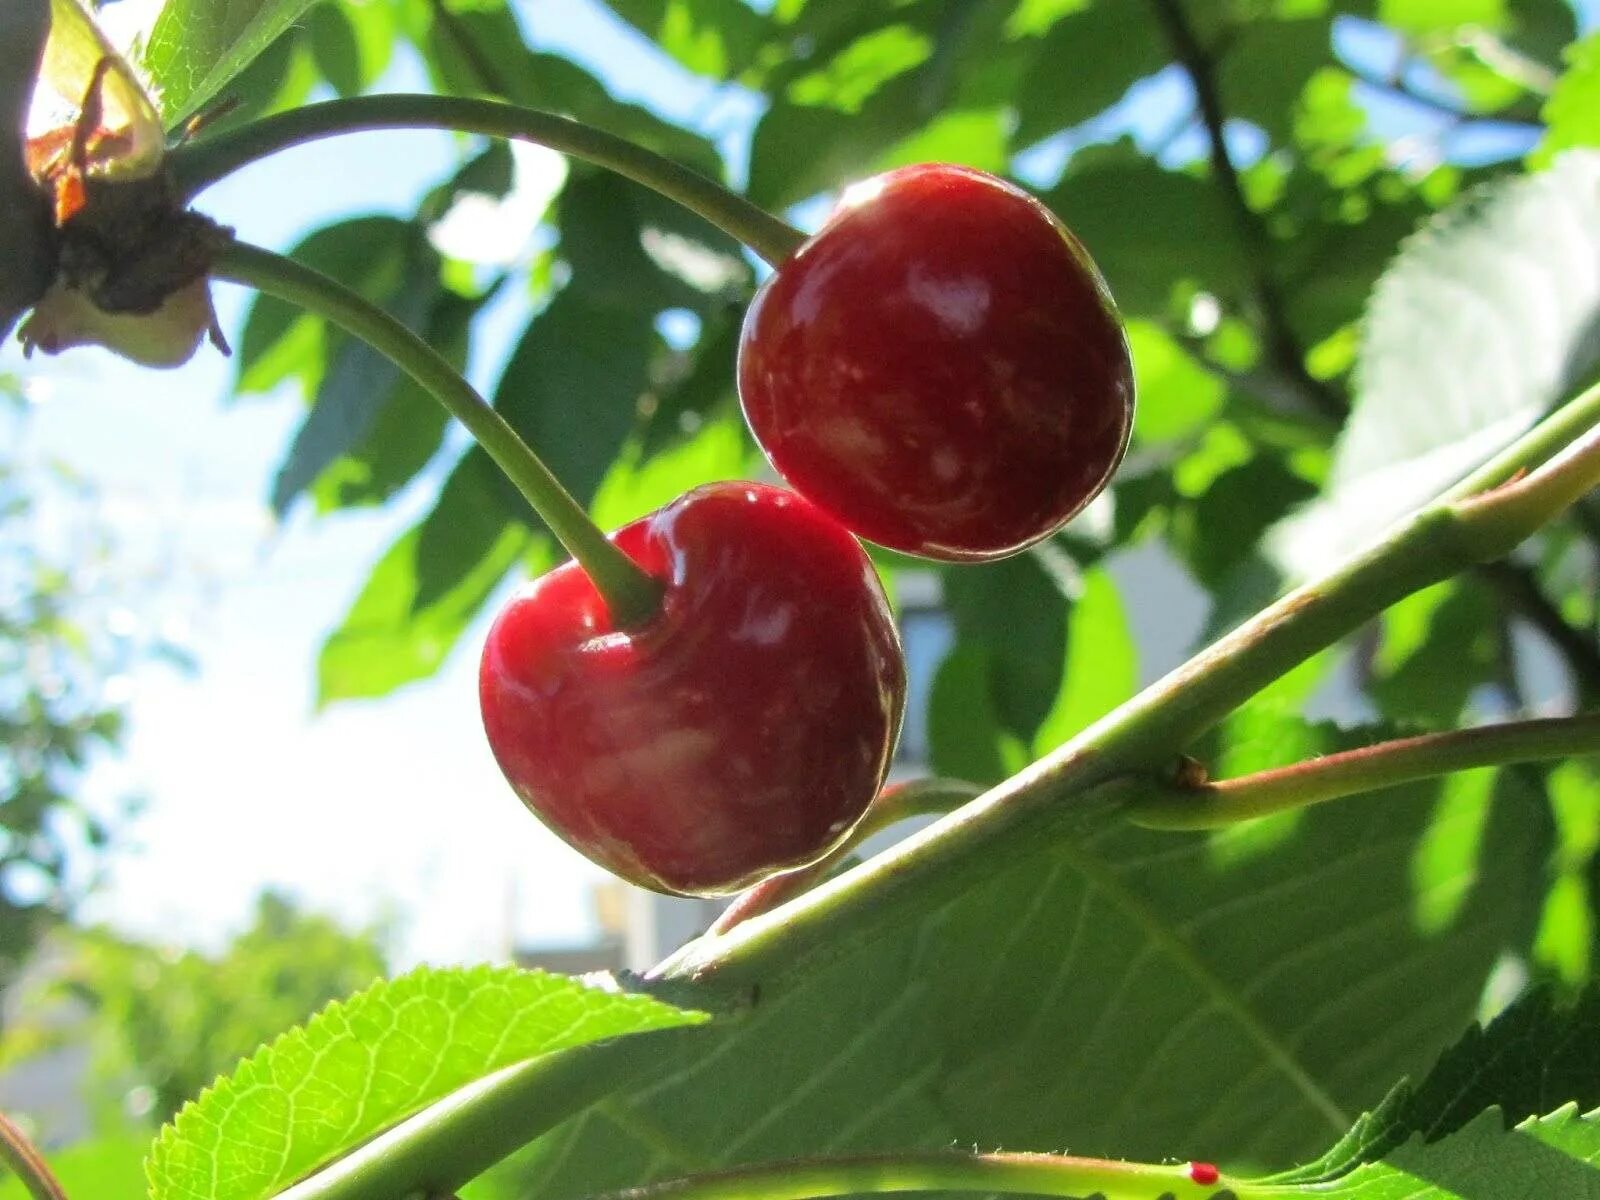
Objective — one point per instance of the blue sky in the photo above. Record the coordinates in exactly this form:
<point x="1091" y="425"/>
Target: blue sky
<point x="387" y="806"/>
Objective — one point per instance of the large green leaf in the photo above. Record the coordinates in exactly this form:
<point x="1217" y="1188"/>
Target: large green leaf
<point x="1236" y="997"/>
<point x="354" y="1070"/>
<point x="481" y="49"/>
<point x="406" y="426"/>
<point x="198" y="46"/>
<point x="1534" y="1058"/>
<point x="1486" y="319"/>
<point x="1016" y="610"/>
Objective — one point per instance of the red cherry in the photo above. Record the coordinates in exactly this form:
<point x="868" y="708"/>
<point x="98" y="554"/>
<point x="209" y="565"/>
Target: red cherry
<point x="741" y="731"/>
<point x="940" y="366"/>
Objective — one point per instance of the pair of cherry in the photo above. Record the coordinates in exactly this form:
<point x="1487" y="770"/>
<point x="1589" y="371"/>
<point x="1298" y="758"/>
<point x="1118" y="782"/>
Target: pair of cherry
<point x="939" y="370"/>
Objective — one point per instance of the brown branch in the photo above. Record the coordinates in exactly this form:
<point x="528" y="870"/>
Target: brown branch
<point x="1283" y="348"/>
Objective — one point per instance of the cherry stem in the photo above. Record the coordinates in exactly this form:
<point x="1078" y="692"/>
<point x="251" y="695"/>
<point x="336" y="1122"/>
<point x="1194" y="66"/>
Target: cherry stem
<point x="197" y="165"/>
<point x="1160" y="804"/>
<point x="23" y="1157"/>
<point x="631" y="595"/>
<point x="948" y="1171"/>
<point x="896" y="803"/>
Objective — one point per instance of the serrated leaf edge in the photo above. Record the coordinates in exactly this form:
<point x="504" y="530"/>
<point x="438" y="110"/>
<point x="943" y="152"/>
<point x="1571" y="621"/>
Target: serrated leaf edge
<point x="176" y="1131"/>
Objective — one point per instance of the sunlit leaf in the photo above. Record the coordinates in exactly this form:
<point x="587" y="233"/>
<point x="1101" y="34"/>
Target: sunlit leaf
<point x="1485" y="320"/>
<point x="197" y="47"/>
<point x="1573" y="111"/>
<point x="353" y="1070"/>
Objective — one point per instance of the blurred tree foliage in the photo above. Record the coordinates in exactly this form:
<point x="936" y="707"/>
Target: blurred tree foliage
<point x="164" y="1022"/>
<point x="56" y="659"/>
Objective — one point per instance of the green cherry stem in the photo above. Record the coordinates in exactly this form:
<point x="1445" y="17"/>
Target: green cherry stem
<point x="630" y="594"/>
<point x="20" y="1154"/>
<point x="196" y="166"/>
<point x="1159" y="804"/>
<point x="950" y="1171"/>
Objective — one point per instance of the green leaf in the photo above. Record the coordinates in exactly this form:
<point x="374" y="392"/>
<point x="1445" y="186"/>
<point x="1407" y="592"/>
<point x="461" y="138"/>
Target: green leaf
<point x="1573" y="110"/>
<point x="573" y="383"/>
<point x="500" y="61"/>
<point x="636" y="485"/>
<point x="1219" y="530"/>
<point x="335" y="50"/>
<point x="1438" y="646"/>
<point x="1102" y="668"/>
<point x="1084" y="64"/>
<point x="1557" y="1155"/>
<point x="353" y="1070"/>
<point x="1486" y="319"/>
<point x="198" y="46"/>
<point x="1016" y="609"/>
<point x="1437" y="16"/>
<point x="280" y="341"/>
<point x="1147" y="228"/>
<point x="850" y="78"/>
<point x="426" y="588"/>
<point x="1234" y="996"/>
<point x="966" y="738"/>
<point x="408" y="424"/>
<point x="718" y="38"/>
<point x="1267" y="65"/>
<point x="1177" y="397"/>
<point x="356" y="386"/>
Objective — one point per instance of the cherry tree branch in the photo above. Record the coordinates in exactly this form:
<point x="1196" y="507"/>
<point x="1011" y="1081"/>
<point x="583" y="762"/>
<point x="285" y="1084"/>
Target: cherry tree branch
<point x="1479" y="520"/>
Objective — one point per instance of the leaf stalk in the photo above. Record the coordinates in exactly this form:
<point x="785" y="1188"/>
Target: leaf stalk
<point x="1158" y="804"/>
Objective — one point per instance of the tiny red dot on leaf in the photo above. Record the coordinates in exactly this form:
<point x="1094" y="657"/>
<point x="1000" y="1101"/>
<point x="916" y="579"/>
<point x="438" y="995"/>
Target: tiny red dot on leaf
<point x="1204" y="1174"/>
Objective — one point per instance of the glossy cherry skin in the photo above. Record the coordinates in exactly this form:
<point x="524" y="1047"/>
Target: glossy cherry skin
<point x="741" y="731"/>
<point x="940" y="366"/>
